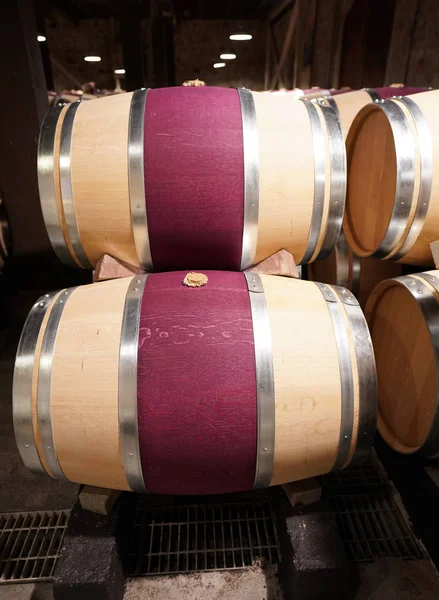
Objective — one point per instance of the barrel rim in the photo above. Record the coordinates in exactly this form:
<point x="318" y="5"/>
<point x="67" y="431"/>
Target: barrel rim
<point x="136" y="177"/>
<point x="367" y="376"/>
<point x="417" y="286"/>
<point x="47" y="186"/>
<point x="23" y="383"/>
<point x="67" y="198"/>
<point x="127" y="388"/>
<point x="405" y="176"/>
<point x="319" y="180"/>
<point x="425" y="146"/>
<point x="338" y="168"/>
<point x="345" y="370"/>
<point x="265" y="394"/>
<point x="250" y="140"/>
<point x="44" y="415"/>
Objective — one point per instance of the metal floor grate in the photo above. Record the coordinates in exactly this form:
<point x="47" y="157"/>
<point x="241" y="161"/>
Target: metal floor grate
<point x="369" y="519"/>
<point x="369" y="476"/>
<point x="181" y="539"/>
<point x="30" y="544"/>
<point x="372" y="526"/>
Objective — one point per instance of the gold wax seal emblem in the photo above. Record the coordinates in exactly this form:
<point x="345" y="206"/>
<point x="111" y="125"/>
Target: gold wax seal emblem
<point x="195" y="279"/>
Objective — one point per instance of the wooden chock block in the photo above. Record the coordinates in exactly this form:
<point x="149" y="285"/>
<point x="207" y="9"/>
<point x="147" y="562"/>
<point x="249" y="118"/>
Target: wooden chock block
<point x="108" y="267"/>
<point x="279" y="263"/>
<point x="98" y="500"/>
<point x="302" y="493"/>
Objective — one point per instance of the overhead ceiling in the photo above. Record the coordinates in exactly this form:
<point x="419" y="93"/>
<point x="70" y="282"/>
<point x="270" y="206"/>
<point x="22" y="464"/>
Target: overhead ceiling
<point x="184" y="9"/>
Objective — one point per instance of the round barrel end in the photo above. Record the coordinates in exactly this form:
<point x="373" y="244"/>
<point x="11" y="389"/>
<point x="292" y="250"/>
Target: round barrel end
<point x="372" y="180"/>
<point x="402" y="315"/>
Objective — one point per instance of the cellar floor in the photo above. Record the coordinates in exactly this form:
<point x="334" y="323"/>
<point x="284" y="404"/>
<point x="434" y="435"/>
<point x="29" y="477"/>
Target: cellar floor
<point x="384" y="579"/>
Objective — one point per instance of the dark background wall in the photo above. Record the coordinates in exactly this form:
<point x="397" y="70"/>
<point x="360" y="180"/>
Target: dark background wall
<point x="69" y="41"/>
<point x="199" y="43"/>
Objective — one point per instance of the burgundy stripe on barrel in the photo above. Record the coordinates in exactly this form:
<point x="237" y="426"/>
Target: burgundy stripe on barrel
<point x="196" y="385"/>
<point x="194" y="177"/>
<point x="388" y="92"/>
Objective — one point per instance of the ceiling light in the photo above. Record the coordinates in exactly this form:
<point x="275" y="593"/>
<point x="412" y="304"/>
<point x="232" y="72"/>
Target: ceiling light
<point x="240" y="37"/>
<point x="119" y="71"/>
<point x="41" y="38"/>
<point x="92" y="58"/>
<point x="219" y="65"/>
<point x="227" y="56"/>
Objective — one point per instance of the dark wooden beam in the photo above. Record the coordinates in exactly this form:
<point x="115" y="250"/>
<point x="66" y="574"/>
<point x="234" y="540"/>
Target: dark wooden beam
<point x="280" y="9"/>
<point x="304" y="53"/>
<point x="323" y="43"/>
<point x="23" y="104"/>
<point x="133" y="47"/>
<point x="401" y="41"/>
<point x="286" y="50"/>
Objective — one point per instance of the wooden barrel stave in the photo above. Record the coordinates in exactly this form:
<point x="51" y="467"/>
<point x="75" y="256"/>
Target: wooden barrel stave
<point x="85" y="397"/>
<point x="195" y="141"/>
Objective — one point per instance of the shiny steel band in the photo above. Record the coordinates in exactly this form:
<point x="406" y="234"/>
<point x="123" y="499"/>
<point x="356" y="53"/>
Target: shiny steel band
<point x="333" y="104"/>
<point x="425" y="146"/>
<point x="46" y="186"/>
<point x="44" y="415"/>
<point x="405" y="177"/>
<point x="319" y="180"/>
<point x="22" y="384"/>
<point x="251" y="178"/>
<point x="345" y="367"/>
<point x="66" y="185"/>
<point x="136" y="168"/>
<point x="337" y="198"/>
<point x="372" y="93"/>
<point x="429" y="305"/>
<point x="264" y="381"/>
<point x="367" y="378"/>
<point x="128" y="424"/>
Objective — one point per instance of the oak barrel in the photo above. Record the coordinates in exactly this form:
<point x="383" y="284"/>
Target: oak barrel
<point x="197" y="177"/>
<point x="393" y="187"/>
<point x="145" y="383"/>
<point x="403" y="316"/>
<point x="359" y="275"/>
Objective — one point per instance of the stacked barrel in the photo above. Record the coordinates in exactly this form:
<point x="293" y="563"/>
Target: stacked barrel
<point x="230" y="378"/>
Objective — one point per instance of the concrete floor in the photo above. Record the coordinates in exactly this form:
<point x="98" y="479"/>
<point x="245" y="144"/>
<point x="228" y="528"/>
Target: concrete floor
<point x="386" y="579"/>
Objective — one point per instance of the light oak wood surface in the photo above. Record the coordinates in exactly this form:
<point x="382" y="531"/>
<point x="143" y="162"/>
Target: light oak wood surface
<point x="99" y="170"/>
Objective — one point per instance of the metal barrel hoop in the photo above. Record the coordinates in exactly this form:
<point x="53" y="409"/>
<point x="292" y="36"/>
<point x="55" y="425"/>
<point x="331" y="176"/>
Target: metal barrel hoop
<point x="425" y="146"/>
<point x="128" y="422"/>
<point x="44" y="416"/>
<point x="429" y="305"/>
<point x="47" y="186"/>
<point x="405" y="175"/>
<point x="264" y="381"/>
<point x="367" y="377"/>
<point x="251" y="178"/>
<point x="345" y="370"/>
<point x="23" y="383"/>
<point x="66" y="185"/>
<point x="337" y="196"/>
<point x="136" y="177"/>
<point x="319" y="180"/>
